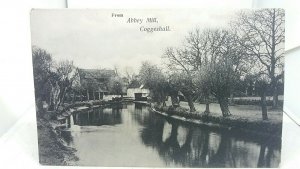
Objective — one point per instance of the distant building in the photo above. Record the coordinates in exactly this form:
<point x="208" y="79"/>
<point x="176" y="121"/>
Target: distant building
<point x="139" y="93"/>
<point x="95" y="82"/>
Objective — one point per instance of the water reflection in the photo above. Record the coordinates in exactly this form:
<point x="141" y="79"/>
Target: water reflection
<point x="98" y="116"/>
<point x="192" y="146"/>
<point x="172" y="143"/>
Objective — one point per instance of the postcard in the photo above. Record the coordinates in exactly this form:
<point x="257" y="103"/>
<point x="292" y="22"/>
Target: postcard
<point x="159" y="87"/>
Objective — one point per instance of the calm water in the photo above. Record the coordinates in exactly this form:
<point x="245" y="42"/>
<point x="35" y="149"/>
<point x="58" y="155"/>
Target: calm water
<point x="131" y="135"/>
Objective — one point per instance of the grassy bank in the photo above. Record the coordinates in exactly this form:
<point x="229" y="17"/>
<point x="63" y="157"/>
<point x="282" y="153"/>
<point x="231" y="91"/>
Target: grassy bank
<point x="52" y="151"/>
<point x="233" y="122"/>
<point x="250" y="112"/>
<point x="89" y="104"/>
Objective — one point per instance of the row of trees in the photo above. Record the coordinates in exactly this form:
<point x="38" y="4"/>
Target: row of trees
<point x="56" y="81"/>
<point x="52" y="80"/>
<point x="213" y="62"/>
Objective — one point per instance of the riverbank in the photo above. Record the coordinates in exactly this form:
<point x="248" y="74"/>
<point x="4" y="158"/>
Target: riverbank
<point x="271" y="128"/>
<point x="52" y="150"/>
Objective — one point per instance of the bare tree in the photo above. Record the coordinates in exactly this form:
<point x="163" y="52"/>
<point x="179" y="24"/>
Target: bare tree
<point x="62" y="80"/>
<point x="185" y="61"/>
<point x="203" y="85"/>
<point x="130" y="75"/>
<point x="181" y="74"/>
<point x="262" y="36"/>
<point x="58" y="78"/>
<point x="226" y="64"/>
<point x="192" y="55"/>
<point x="182" y="82"/>
<point x="153" y="78"/>
<point x="212" y="62"/>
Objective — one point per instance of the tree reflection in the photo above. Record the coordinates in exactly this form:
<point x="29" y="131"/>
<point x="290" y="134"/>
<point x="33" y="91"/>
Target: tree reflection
<point x="193" y="152"/>
<point x="264" y="159"/>
<point x="181" y="144"/>
<point x="202" y="147"/>
<point x="223" y="157"/>
<point x="99" y="116"/>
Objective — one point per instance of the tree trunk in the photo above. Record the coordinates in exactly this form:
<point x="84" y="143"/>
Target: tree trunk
<point x="223" y="101"/>
<point x="61" y="97"/>
<point x="87" y="95"/>
<point x="264" y="106"/>
<point x="207" y="102"/>
<point x="204" y="144"/>
<point x="51" y="105"/>
<point x="231" y="102"/>
<point x="218" y="159"/>
<point x="207" y="111"/>
<point x="261" y="157"/>
<point x="55" y="90"/>
<point x="62" y="101"/>
<point x="275" y="98"/>
<point x="190" y="103"/>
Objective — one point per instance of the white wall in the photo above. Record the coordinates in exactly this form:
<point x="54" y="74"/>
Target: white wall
<point x="132" y="91"/>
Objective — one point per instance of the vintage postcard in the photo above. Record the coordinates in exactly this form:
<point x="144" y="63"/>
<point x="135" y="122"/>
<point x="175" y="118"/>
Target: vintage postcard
<point x="159" y="88"/>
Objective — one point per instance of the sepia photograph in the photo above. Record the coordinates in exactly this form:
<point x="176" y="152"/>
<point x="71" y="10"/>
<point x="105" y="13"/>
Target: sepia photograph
<point x="188" y="88"/>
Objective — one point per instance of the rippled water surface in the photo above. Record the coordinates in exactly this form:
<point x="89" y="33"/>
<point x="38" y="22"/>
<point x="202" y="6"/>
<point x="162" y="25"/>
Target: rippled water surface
<point x="131" y="135"/>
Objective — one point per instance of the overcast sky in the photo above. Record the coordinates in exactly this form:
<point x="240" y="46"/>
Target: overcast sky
<point x="94" y="39"/>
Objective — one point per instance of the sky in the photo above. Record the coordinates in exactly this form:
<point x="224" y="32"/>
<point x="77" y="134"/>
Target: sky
<point x="94" y="39"/>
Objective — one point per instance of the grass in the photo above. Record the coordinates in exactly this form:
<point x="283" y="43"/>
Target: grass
<point x="244" y="117"/>
<point x="249" y="112"/>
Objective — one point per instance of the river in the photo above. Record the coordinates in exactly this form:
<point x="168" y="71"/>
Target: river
<point x="130" y="135"/>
